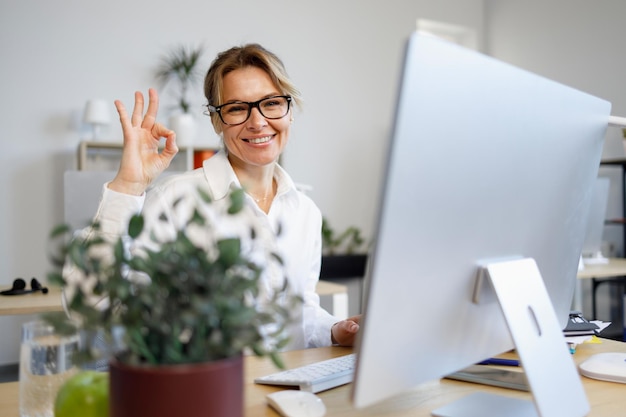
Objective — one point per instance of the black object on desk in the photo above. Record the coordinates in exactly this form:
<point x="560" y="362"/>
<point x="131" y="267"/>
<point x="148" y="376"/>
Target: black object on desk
<point x="19" y="287"/>
<point x="577" y="325"/>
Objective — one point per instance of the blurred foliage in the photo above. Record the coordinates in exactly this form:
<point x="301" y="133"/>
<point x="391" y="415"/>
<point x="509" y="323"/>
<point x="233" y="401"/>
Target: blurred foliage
<point x="198" y="305"/>
<point x="348" y="242"/>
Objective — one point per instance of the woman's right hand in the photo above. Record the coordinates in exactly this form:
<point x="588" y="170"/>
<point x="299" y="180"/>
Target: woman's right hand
<point x="141" y="161"/>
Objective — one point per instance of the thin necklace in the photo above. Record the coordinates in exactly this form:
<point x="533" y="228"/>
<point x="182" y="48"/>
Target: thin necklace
<point x="268" y="196"/>
<point x="258" y="200"/>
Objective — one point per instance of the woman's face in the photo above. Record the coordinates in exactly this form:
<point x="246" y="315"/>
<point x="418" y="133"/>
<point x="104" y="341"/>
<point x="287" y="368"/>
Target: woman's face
<point x="258" y="141"/>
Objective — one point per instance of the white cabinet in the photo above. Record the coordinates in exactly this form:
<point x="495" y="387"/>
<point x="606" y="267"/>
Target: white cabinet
<point x="105" y="156"/>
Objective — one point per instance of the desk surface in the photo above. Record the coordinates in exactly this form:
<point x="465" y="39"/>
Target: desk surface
<point x="40" y="303"/>
<point x="31" y="303"/>
<point x="330" y="288"/>
<point x="606" y="398"/>
<point x="616" y="267"/>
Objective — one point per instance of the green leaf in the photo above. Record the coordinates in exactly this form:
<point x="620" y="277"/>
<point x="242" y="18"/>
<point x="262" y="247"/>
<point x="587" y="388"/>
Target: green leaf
<point x="135" y="226"/>
<point x="56" y="278"/>
<point x="204" y="195"/>
<point x="277" y="360"/>
<point x="60" y="230"/>
<point x="197" y="218"/>
<point x="60" y="322"/>
<point x="229" y="250"/>
<point x="236" y="201"/>
<point x="141" y="346"/>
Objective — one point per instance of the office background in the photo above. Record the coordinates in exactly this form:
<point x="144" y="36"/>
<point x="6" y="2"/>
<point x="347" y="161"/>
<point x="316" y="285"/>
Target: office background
<point x="344" y="56"/>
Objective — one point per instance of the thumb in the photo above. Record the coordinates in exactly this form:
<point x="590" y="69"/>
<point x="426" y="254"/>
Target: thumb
<point x="351" y="326"/>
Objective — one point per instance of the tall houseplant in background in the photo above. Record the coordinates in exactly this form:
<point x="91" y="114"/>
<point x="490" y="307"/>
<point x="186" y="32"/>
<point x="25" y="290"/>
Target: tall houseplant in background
<point x="181" y="310"/>
<point x="180" y="66"/>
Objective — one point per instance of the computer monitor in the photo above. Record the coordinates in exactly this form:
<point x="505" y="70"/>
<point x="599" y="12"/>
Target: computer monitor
<point x="487" y="164"/>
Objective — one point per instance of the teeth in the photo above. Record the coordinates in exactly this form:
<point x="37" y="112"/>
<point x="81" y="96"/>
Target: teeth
<point x="260" y="140"/>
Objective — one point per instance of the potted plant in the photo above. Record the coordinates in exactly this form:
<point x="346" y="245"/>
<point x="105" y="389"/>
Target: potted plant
<point x="179" y="335"/>
<point x="343" y="254"/>
<point x="180" y="66"/>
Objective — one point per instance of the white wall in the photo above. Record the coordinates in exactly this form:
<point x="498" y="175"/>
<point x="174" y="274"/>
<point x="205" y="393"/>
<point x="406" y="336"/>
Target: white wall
<point x="343" y="54"/>
<point x="576" y="42"/>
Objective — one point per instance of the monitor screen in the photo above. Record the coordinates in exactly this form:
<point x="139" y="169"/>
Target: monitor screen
<point x="486" y="161"/>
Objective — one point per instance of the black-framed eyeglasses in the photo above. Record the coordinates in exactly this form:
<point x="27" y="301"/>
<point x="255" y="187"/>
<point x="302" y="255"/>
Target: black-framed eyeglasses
<point x="237" y="112"/>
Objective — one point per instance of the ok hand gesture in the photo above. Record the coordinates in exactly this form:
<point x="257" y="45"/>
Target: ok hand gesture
<point x="141" y="161"/>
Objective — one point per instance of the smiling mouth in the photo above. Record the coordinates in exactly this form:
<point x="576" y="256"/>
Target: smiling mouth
<point x="264" y="139"/>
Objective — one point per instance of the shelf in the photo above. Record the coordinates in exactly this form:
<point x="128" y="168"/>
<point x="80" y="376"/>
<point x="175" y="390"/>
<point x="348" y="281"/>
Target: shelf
<point x="614" y="161"/>
<point x="100" y="156"/>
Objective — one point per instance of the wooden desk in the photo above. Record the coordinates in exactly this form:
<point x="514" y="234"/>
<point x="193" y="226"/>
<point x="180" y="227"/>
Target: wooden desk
<point x="616" y="267"/>
<point x="31" y="303"/>
<point x="338" y="295"/>
<point x="614" y="270"/>
<point x="606" y="398"/>
<point x="41" y="303"/>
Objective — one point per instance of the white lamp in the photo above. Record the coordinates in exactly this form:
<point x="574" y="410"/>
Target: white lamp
<point x="97" y="114"/>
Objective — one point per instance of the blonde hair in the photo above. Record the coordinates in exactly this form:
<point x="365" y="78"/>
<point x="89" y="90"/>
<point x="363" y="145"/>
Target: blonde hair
<point x="250" y="55"/>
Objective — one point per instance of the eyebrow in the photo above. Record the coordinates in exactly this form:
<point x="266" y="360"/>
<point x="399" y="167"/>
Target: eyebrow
<point x="262" y="98"/>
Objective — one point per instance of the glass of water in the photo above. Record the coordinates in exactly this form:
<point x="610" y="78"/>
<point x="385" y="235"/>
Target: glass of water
<point x="45" y="364"/>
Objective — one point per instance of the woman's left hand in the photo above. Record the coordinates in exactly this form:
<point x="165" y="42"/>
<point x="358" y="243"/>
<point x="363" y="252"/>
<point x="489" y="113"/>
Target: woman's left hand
<point x="343" y="333"/>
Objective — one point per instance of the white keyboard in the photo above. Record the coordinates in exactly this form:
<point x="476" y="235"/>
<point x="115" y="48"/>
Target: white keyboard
<point x="315" y="377"/>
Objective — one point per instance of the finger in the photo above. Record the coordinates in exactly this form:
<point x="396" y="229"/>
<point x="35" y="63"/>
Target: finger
<point x="121" y="111"/>
<point x="347" y="327"/>
<point x="153" y="107"/>
<point x="350" y="326"/>
<point x="345" y="332"/>
<point x="159" y="131"/>
<point x="138" y="109"/>
<point x="171" y="148"/>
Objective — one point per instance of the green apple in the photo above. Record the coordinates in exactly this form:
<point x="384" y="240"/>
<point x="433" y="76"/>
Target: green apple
<point x="86" y="394"/>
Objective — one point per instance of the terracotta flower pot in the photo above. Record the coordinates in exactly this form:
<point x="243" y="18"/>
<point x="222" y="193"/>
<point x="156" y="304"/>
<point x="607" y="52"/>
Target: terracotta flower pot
<point x="212" y="389"/>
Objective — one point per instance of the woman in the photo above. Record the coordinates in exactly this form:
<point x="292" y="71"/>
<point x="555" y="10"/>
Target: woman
<point x="250" y="102"/>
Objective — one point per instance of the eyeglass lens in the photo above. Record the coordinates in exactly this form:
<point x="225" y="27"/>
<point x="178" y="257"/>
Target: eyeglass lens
<point x="239" y="112"/>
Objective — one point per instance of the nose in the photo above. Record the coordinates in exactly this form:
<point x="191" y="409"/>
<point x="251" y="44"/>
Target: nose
<point x="256" y="119"/>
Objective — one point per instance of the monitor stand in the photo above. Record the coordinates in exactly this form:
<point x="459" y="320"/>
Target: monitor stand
<point x="550" y="371"/>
